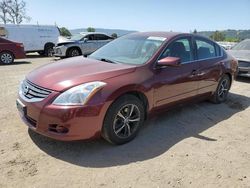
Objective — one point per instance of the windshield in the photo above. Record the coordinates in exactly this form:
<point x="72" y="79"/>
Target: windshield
<point x="76" y="37"/>
<point x="129" y="49"/>
<point x="243" y="45"/>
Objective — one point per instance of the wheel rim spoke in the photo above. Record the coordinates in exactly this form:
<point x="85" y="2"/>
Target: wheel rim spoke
<point x="126" y="121"/>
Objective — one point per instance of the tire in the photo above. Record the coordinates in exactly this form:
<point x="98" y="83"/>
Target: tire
<point x="222" y="90"/>
<point x="73" y="52"/>
<point x="6" y="58"/>
<point x="48" y="50"/>
<point x="120" y="125"/>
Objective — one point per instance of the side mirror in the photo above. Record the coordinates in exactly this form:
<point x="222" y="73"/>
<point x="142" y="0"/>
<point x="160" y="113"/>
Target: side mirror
<point x="169" y="61"/>
<point x="85" y="39"/>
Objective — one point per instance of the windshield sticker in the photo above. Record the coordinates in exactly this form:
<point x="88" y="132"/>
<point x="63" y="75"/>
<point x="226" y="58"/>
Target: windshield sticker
<point x="157" y="38"/>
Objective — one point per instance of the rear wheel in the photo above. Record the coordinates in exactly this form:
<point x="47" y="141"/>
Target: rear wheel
<point x="48" y="50"/>
<point x="6" y="58"/>
<point x="222" y="90"/>
<point x="123" y="120"/>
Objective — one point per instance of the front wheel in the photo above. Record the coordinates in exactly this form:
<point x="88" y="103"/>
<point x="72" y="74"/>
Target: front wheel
<point x="6" y="58"/>
<point x="123" y="120"/>
<point x="222" y="90"/>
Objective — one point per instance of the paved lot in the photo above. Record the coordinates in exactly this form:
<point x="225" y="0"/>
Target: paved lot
<point x="200" y="145"/>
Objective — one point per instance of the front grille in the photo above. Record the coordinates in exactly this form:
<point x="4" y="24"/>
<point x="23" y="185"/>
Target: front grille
<point x="243" y="64"/>
<point x="33" y="92"/>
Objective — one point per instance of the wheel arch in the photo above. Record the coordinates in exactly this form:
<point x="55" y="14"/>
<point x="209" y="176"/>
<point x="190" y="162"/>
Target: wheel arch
<point x="8" y="52"/>
<point x="48" y="44"/>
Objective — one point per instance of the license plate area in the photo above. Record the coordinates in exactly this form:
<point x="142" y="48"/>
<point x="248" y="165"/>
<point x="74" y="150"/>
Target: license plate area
<point x="21" y="107"/>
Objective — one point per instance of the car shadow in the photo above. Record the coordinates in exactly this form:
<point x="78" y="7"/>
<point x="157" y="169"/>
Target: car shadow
<point x="243" y="79"/>
<point x="159" y="134"/>
<point x="17" y="63"/>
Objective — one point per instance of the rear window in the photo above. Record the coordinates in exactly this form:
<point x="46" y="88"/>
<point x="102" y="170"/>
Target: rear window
<point x="205" y="49"/>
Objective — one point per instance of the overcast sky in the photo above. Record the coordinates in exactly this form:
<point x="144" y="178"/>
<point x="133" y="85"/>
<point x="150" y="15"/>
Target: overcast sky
<point x="143" y="15"/>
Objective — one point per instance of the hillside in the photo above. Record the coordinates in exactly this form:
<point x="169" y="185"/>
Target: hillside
<point x="119" y="32"/>
<point x="240" y="34"/>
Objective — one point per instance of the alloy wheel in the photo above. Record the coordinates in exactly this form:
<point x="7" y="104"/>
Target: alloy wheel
<point x="75" y="52"/>
<point x="126" y="121"/>
<point x="223" y="89"/>
<point x="6" y="58"/>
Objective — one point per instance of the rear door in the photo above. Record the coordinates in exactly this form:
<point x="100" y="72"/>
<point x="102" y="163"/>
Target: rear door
<point x="102" y="40"/>
<point x="177" y="83"/>
<point x="209" y="56"/>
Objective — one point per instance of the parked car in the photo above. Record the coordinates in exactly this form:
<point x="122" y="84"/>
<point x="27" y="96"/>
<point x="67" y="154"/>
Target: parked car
<point x="227" y="45"/>
<point x="10" y="50"/>
<point x="81" y="44"/>
<point x="35" y="38"/>
<point x="242" y="53"/>
<point x="111" y="92"/>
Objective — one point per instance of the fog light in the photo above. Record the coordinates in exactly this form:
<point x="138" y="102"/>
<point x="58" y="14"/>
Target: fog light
<point x="58" y="128"/>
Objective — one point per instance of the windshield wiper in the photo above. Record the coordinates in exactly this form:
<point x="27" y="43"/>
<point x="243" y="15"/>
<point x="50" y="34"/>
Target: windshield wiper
<point x="108" y="60"/>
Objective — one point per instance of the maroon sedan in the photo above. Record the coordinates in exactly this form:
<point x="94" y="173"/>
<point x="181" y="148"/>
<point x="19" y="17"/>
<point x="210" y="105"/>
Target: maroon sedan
<point x="10" y="50"/>
<point x="111" y="92"/>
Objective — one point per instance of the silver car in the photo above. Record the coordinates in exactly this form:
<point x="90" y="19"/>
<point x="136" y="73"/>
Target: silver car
<point x="81" y="44"/>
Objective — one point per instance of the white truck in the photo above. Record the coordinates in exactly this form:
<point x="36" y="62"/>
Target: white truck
<point x="35" y="38"/>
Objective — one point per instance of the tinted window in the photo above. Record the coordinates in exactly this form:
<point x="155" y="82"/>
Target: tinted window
<point x="205" y="49"/>
<point x="101" y="37"/>
<point x="180" y="48"/>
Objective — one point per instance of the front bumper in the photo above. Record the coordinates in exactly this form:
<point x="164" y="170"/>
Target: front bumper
<point x="60" y="51"/>
<point x="81" y="122"/>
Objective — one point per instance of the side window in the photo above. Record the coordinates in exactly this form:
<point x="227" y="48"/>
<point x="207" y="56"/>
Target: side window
<point x="180" y="48"/>
<point x="101" y="37"/>
<point x="90" y="37"/>
<point x="205" y="49"/>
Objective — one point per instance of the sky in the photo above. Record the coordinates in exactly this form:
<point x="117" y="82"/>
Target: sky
<point x="142" y="15"/>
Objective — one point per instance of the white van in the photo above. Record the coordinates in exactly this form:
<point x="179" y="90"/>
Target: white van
<point x="35" y="38"/>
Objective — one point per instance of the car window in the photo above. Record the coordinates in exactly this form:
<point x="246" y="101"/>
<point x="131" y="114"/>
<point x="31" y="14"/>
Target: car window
<point x="179" y="48"/>
<point x="101" y="37"/>
<point x="205" y="49"/>
<point x="90" y="37"/>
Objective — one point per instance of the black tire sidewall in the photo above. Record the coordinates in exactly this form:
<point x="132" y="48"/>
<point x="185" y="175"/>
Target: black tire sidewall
<point x="108" y="131"/>
<point x="47" y="48"/>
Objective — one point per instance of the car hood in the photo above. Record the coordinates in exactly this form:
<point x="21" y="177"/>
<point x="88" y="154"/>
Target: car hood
<point x="64" y="74"/>
<point x="241" y="55"/>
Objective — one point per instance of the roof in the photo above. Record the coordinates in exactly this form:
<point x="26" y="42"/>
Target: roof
<point x="158" y="34"/>
<point x="88" y="33"/>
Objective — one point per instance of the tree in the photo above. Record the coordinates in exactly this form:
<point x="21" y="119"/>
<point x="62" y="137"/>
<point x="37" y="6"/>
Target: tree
<point x="114" y="35"/>
<point x="218" y="36"/>
<point x="65" y="32"/>
<point x="195" y="31"/>
<point x="13" y="11"/>
<point x="91" y="29"/>
<point x="4" y="11"/>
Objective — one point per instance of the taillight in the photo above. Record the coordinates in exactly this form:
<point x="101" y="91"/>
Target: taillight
<point x="19" y="45"/>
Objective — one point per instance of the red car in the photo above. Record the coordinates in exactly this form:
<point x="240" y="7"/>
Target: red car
<point x="111" y="92"/>
<point x="10" y="50"/>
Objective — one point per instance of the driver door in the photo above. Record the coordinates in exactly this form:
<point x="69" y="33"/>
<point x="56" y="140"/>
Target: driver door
<point x="177" y="83"/>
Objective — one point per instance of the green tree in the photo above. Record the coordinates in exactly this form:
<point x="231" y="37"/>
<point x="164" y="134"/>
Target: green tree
<point x="195" y="31"/>
<point x="114" y="35"/>
<point x="218" y="36"/>
<point x="91" y="29"/>
<point x="65" y="32"/>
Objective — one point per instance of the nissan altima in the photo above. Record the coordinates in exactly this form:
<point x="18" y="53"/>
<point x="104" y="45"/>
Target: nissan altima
<point x="111" y="92"/>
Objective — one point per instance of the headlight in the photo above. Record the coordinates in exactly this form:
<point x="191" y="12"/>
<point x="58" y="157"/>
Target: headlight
<point x="79" y="95"/>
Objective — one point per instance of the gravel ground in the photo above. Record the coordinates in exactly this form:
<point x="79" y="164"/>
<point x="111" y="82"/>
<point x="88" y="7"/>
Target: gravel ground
<point x="199" y="145"/>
